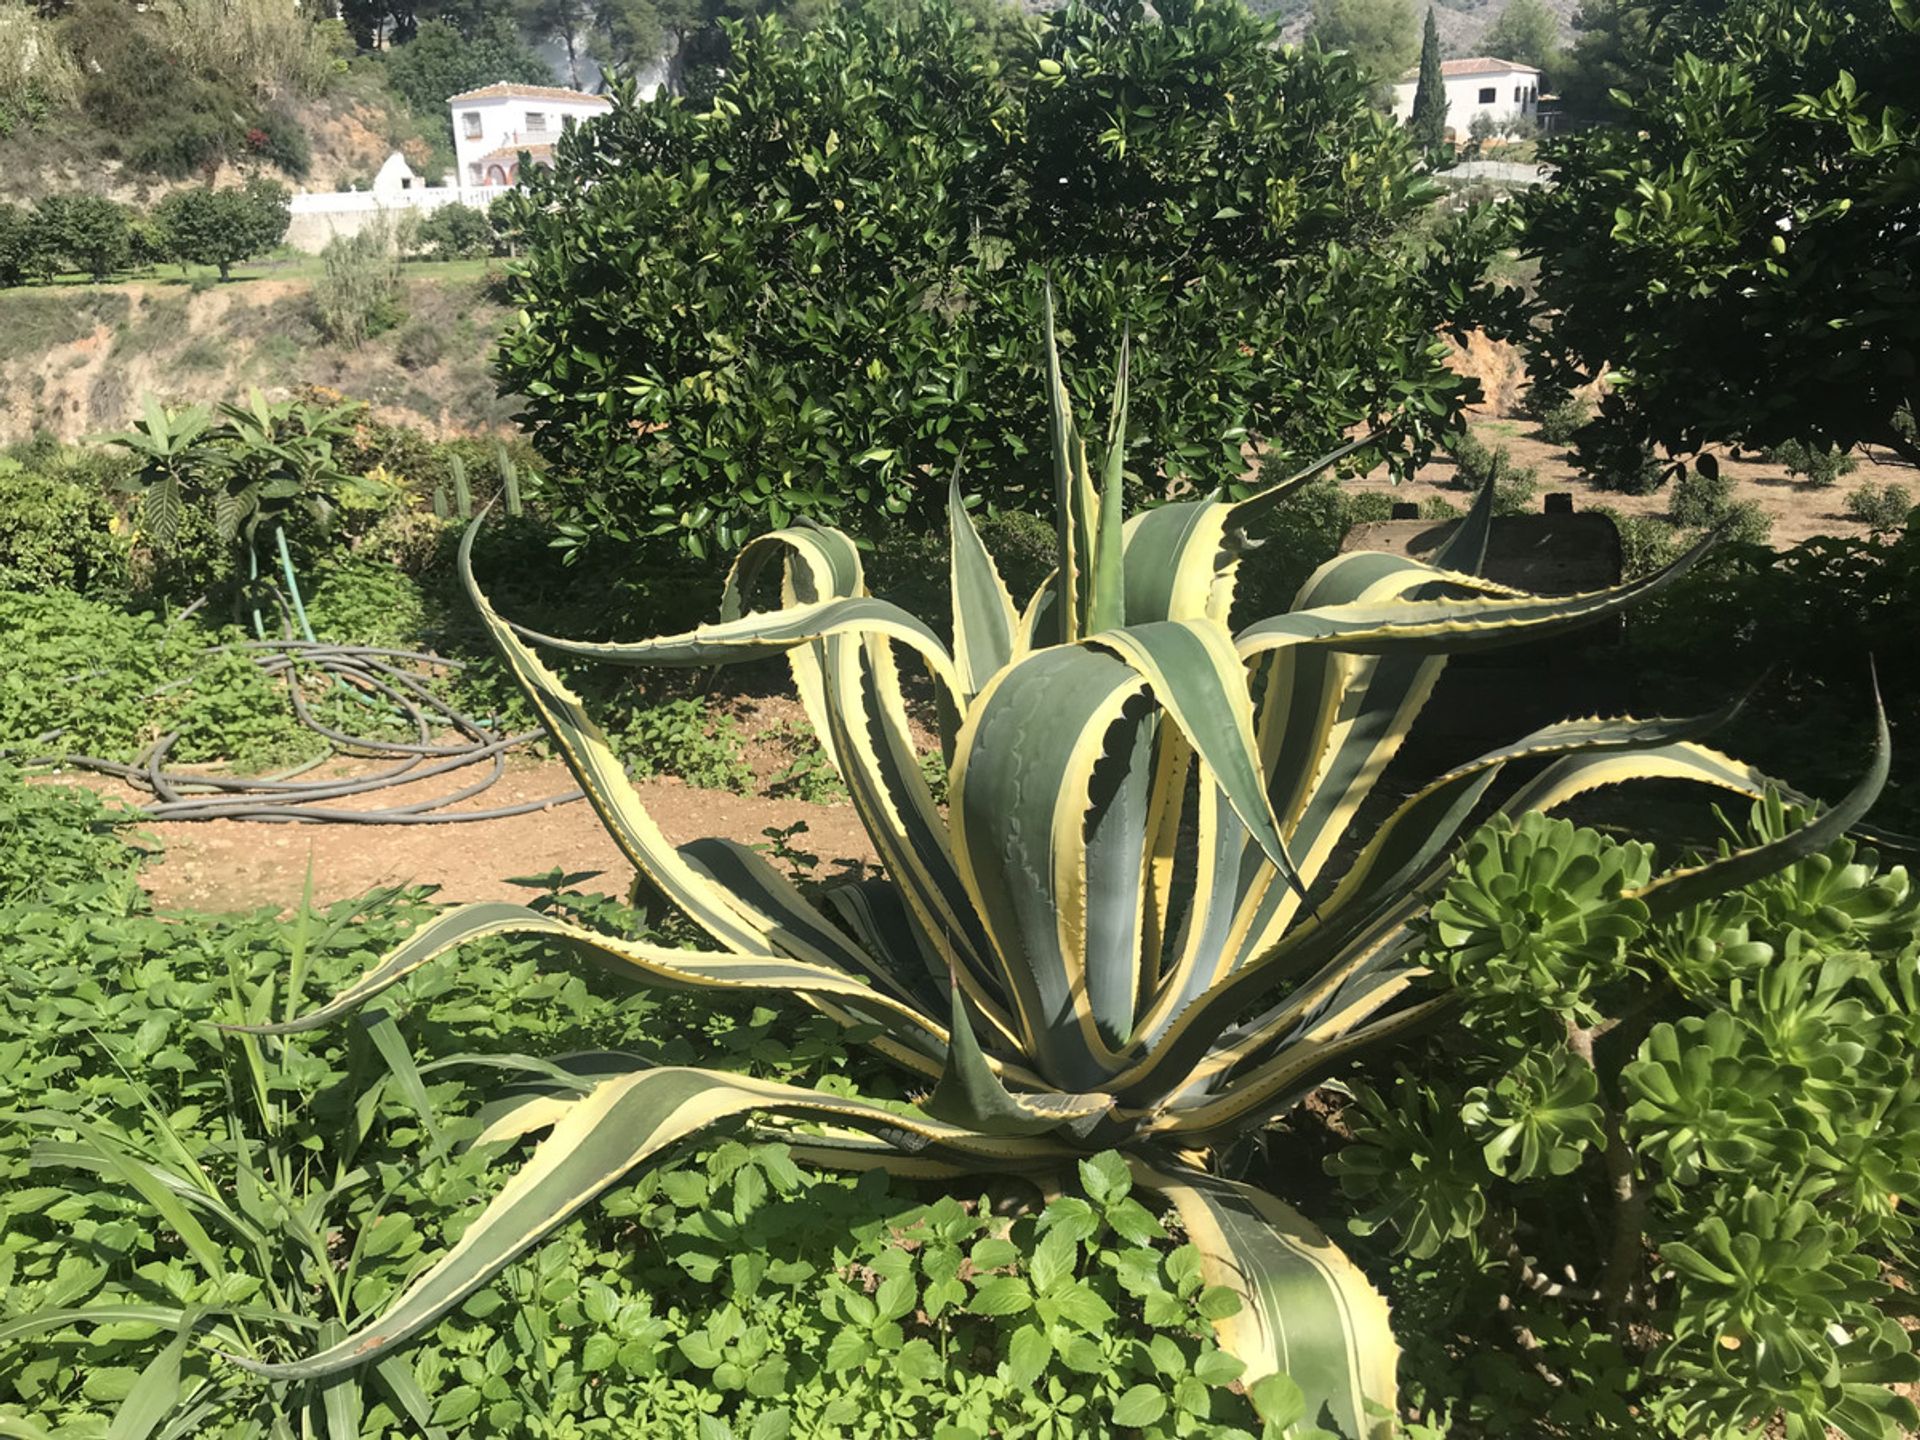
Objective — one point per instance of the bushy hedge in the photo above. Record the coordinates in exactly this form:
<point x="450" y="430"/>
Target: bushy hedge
<point x="818" y="293"/>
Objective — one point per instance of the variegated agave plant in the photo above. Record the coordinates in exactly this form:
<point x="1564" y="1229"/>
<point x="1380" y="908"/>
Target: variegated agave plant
<point x="1143" y="921"/>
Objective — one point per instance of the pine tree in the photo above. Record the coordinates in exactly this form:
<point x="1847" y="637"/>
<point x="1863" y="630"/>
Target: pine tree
<point x="1429" y="119"/>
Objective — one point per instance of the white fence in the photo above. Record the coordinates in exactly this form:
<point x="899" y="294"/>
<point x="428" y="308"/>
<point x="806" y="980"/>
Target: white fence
<point x="317" y="218"/>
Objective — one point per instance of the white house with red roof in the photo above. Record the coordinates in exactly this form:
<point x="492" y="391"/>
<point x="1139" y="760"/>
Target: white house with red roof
<point x="1502" y="90"/>
<point x="494" y="125"/>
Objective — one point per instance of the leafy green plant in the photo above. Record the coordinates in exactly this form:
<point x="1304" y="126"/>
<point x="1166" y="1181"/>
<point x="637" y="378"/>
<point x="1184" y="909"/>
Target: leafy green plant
<point x="765" y="1298"/>
<point x="1474" y="461"/>
<point x="908" y="239"/>
<point x="1883" y="509"/>
<point x="1068" y="964"/>
<point x="1723" y="1087"/>
<point x="684" y="737"/>
<point x="1823" y="466"/>
<point x="1559" y="414"/>
<point x="358" y="294"/>
<point x="205" y="226"/>
<point x="58" y="531"/>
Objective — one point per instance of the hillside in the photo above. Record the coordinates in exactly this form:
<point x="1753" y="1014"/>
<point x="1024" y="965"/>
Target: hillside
<point x="76" y="360"/>
<point x="1461" y="22"/>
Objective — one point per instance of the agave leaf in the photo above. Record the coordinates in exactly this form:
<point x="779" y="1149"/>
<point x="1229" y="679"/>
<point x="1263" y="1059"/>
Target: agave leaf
<point x="971" y="1095"/>
<point x="598" y="1139"/>
<point x="985" y="625"/>
<point x="1182" y="559"/>
<point x="1677" y="889"/>
<point x="656" y="965"/>
<point x="761" y="635"/>
<point x="1107" y="607"/>
<point x="1022" y="775"/>
<point x="1306" y="1311"/>
<point x="1076" y="505"/>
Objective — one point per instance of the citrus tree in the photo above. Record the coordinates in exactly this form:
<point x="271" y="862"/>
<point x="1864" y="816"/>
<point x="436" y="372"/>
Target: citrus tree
<point x="806" y="295"/>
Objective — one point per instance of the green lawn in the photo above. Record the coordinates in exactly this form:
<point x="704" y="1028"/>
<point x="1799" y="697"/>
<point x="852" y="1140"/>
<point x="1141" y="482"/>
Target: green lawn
<point x="274" y="267"/>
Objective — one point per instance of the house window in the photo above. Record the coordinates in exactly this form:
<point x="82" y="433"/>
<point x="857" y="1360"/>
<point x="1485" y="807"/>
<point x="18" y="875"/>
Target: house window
<point x="536" y="122"/>
<point x="473" y="172"/>
<point x="1486" y="95"/>
<point x="1516" y="95"/>
<point x="470" y="124"/>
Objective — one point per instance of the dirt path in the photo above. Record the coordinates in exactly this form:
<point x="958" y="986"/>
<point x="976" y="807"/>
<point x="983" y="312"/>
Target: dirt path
<point x="240" y="864"/>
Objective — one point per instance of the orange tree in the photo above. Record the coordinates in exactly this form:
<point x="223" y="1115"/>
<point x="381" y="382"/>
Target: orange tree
<point x="798" y="297"/>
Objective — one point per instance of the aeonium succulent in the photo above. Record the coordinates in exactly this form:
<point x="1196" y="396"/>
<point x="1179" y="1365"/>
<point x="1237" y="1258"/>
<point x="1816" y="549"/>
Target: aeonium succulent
<point x="1143" y="921"/>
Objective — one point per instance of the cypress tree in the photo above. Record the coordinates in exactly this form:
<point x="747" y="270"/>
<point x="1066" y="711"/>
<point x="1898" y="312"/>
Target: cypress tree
<point x="1429" y="119"/>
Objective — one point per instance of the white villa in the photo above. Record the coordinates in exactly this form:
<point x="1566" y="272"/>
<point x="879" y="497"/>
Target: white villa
<point x="1502" y="90"/>
<point x="492" y="128"/>
<point x="493" y="125"/>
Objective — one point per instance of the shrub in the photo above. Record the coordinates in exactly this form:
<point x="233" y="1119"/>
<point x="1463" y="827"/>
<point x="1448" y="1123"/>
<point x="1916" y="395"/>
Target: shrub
<point x="1700" y="499"/>
<point x="1817" y="465"/>
<point x="1473" y="459"/>
<point x="58" y="533"/>
<point x="1559" y="414"/>
<point x="358" y="295"/>
<point x="1075" y="735"/>
<point x="1883" y="509"/>
<point x="457" y="232"/>
<point x="1724" y="1087"/>
<point x="907" y="239"/>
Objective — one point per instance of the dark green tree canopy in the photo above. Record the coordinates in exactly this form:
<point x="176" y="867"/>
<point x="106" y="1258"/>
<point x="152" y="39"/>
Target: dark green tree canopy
<point x="442" y="60"/>
<point x="818" y="294"/>
<point x="1744" y="250"/>
<point x="1429" y="118"/>
<point x="205" y="226"/>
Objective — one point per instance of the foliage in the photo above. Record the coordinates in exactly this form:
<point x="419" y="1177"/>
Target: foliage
<point x="1474" y="461"/>
<point x="58" y="532"/>
<point x="1816" y="618"/>
<point x="36" y="75"/>
<point x="1265" y="245"/>
<point x="457" y="232"/>
<point x="1377" y="33"/>
<point x="441" y="61"/>
<point x="1527" y="31"/>
<point x="1075" y="731"/>
<point x="358" y="295"/>
<point x="84" y="677"/>
<point x="1726" y="248"/>
<point x="87" y="232"/>
<point x="1429" y="118"/>
<point x="1817" y="465"/>
<point x="1701" y="499"/>
<point x="1883" y="509"/>
<point x="1724" y="1086"/>
<point x="23" y="247"/>
<point x="178" y="89"/>
<point x="767" y="1295"/>
<point x="257" y="464"/>
<point x="681" y="737"/>
<point x="205" y="226"/>
<point x="1559" y="414"/>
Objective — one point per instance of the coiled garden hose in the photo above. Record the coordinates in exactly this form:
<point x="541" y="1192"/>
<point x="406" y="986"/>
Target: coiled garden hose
<point x="378" y="675"/>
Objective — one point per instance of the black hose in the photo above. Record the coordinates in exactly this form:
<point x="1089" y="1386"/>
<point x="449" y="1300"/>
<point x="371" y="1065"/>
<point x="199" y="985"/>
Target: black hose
<point x="380" y="676"/>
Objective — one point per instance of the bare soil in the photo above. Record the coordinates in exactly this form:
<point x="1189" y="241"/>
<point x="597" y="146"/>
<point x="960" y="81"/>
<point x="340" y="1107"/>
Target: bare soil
<point x="241" y="865"/>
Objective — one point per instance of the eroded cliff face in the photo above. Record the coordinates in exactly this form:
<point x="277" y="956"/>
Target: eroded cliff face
<point x="76" y="361"/>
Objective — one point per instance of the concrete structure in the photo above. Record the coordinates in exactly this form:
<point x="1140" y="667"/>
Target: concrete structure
<point x="492" y="127"/>
<point x="1502" y="90"/>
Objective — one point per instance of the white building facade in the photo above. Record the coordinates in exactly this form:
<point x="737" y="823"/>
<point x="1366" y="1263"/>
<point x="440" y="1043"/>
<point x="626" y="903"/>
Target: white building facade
<point x="1502" y="90"/>
<point x="492" y="128"/>
<point x="494" y="125"/>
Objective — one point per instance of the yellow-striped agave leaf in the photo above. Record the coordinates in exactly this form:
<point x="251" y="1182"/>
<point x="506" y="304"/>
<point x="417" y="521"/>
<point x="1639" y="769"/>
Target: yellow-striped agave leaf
<point x="595" y="1139"/>
<point x="1148" y="918"/>
<point x="1306" y="1311"/>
